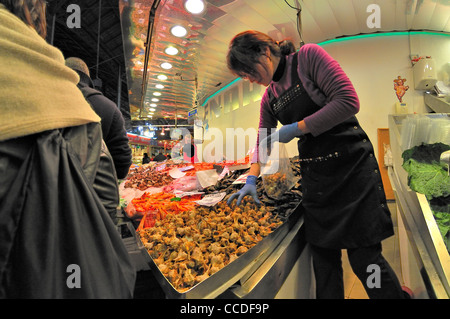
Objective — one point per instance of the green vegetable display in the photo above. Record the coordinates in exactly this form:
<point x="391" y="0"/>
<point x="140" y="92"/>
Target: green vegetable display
<point x="426" y="175"/>
<point x="429" y="179"/>
<point x="441" y="210"/>
<point x="426" y="153"/>
<point x="443" y="222"/>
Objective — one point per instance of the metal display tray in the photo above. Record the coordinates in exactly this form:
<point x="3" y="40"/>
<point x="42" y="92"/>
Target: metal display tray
<point x="238" y="270"/>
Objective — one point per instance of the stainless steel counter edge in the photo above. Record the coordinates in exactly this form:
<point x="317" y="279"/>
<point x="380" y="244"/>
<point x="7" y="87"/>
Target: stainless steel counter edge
<point x="270" y="276"/>
<point x="428" y="271"/>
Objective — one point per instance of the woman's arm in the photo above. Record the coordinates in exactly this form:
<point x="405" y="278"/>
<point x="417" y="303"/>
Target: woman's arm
<point x="325" y="80"/>
<point x="255" y="169"/>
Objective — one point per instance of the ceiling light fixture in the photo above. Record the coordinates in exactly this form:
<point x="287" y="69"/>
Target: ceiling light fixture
<point x="166" y="65"/>
<point x="178" y="31"/>
<point x="159" y="86"/>
<point x="194" y="6"/>
<point x="155" y="99"/>
<point x="162" y="77"/>
<point x="156" y="93"/>
<point x="171" y="50"/>
<point x="153" y="105"/>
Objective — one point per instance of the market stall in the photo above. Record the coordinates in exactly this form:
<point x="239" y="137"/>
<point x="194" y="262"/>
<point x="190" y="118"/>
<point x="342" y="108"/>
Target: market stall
<point x="139" y="145"/>
<point x="197" y="246"/>
<point x="422" y="191"/>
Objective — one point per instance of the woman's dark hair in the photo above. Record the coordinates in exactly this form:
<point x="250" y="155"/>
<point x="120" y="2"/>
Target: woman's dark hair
<point x="246" y="47"/>
<point x="32" y="12"/>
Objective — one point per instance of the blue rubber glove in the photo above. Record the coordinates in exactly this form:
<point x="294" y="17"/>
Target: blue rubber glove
<point x="248" y="189"/>
<point x="287" y="132"/>
<point x="284" y="135"/>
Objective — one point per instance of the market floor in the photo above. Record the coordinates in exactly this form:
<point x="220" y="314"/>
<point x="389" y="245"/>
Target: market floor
<point x="147" y="286"/>
<point x="352" y="285"/>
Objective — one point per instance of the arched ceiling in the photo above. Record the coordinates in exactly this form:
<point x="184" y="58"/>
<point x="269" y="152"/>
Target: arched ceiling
<point x="199" y="69"/>
<point x="134" y="33"/>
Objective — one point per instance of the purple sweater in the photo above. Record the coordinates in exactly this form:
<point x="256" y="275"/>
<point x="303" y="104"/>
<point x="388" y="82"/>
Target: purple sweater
<point x="324" y="81"/>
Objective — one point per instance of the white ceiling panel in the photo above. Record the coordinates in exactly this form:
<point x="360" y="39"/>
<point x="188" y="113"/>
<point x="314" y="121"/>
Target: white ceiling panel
<point x="388" y="8"/>
<point x="323" y="15"/>
<point x="440" y="16"/>
<point x="424" y="13"/>
<point x="345" y="16"/>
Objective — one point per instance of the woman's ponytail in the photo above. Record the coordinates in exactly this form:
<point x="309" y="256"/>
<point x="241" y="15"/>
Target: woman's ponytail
<point x="286" y="47"/>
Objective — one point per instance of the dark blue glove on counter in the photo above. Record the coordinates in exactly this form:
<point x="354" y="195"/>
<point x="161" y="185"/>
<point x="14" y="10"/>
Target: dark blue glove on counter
<point x="248" y="189"/>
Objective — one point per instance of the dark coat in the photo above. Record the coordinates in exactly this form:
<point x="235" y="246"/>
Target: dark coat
<point x="145" y="160"/>
<point x="113" y="125"/>
<point x="159" y="158"/>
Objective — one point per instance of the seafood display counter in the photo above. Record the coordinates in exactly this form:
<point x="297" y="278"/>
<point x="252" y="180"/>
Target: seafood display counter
<point x="424" y="257"/>
<point x="209" y="249"/>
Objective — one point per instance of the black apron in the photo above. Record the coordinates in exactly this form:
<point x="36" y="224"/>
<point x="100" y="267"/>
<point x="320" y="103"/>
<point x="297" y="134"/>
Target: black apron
<point x="343" y="195"/>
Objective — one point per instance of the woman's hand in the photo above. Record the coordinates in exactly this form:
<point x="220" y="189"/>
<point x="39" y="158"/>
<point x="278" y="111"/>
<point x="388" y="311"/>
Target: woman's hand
<point x="284" y="135"/>
<point x="248" y="189"/>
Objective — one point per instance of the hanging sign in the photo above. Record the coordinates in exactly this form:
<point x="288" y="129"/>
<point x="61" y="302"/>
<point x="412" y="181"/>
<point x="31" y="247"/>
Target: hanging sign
<point x="137" y="139"/>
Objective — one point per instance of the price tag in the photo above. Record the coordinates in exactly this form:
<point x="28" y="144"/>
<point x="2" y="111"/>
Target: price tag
<point x="181" y="194"/>
<point x="211" y="199"/>
<point x="241" y="179"/>
<point x="160" y="167"/>
<point x="186" y="168"/>
<point x="176" y="173"/>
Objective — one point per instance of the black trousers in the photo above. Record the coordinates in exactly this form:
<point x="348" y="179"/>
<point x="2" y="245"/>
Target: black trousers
<point x="368" y="264"/>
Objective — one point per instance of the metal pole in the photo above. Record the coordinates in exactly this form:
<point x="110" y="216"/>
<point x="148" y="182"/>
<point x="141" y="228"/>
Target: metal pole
<point x="98" y="33"/>
<point x="52" y="37"/>
<point x="119" y="87"/>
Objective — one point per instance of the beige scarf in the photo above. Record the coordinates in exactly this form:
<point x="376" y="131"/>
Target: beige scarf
<point x="37" y="91"/>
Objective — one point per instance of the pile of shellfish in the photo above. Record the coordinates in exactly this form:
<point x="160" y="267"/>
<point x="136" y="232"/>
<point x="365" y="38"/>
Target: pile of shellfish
<point x="145" y="177"/>
<point x="191" y="246"/>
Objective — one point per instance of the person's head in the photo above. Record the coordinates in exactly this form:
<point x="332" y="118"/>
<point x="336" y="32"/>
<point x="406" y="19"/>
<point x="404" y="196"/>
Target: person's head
<point x="78" y="65"/>
<point x="187" y="138"/>
<point x="32" y="12"/>
<point x="251" y="55"/>
<point x="145" y="155"/>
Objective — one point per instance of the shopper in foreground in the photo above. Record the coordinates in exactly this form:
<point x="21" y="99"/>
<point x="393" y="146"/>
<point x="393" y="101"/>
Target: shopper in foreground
<point x="56" y="238"/>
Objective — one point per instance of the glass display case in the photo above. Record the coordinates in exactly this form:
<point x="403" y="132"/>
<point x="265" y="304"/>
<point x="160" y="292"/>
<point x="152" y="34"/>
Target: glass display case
<point x="424" y="251"/>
